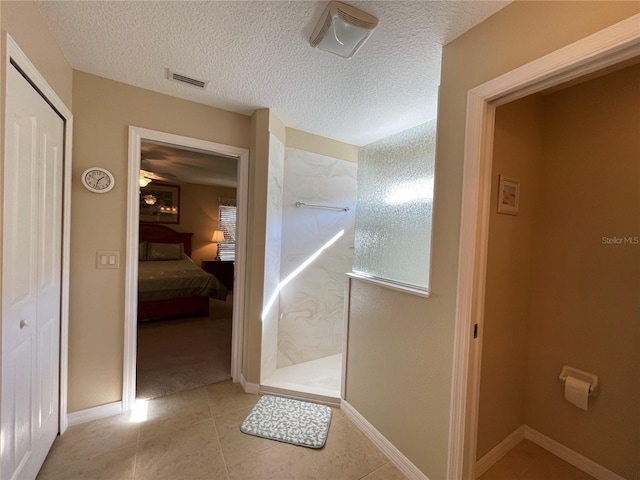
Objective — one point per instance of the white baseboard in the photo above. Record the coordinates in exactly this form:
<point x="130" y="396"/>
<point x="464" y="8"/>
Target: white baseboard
<point x="249" y="387"/>
<point x="393" y="454"/>
<point x="499" y="451"/>
<point x="570" y="456"/>
<point x="565" y="453"/>
<point x="94" y="413"/>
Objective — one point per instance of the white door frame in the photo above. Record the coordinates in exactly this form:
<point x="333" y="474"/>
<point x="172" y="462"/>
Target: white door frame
<point x="15" y="55"/>
<point x="600" y="50"/>
<point x="136" y="136"/>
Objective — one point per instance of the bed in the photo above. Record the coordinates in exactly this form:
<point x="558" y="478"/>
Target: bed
<point x="169" y="283"/>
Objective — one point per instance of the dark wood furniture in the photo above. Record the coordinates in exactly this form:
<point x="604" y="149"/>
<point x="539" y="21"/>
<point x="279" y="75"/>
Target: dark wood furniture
<point x="223" y="271"/>
<point x="173" y="307"/>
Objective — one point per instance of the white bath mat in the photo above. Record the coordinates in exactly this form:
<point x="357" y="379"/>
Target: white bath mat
<point x="290" y="421"/>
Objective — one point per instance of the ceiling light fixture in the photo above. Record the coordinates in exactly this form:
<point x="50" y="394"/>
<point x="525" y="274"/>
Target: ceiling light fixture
<point x="150" y="199"/>
<point x="342" y="29"/>
<point x="144" y="180"/>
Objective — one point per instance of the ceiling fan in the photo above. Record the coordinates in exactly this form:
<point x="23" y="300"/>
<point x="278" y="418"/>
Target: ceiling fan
<point x="147" y="177"/>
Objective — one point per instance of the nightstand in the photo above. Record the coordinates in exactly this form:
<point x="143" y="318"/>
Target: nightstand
<point x="223" y="271"/>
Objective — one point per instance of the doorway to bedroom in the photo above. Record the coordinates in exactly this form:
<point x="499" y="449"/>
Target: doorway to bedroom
<point x="186" y="221"/>
<point x="187" y="215"/>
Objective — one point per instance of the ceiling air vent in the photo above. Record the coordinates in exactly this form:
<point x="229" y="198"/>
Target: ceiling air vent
<point x="178" y="77"/>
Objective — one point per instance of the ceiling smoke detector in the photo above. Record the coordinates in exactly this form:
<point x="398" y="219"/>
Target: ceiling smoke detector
<point x="342" y="29"/>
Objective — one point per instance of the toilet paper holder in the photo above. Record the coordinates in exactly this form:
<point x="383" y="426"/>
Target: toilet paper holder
<point x="590" y="378"/>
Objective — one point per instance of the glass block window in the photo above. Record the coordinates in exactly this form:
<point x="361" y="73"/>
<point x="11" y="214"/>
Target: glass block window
<point x="227" y="223"/>
<point x="395" y="206"/>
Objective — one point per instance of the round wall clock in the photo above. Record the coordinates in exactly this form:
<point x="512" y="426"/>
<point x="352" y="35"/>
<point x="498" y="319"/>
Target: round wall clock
<point x="98" y="180"/>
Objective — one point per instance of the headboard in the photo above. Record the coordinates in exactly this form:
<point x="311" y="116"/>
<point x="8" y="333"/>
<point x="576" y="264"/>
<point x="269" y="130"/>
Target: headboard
<point x="151" y="232"/>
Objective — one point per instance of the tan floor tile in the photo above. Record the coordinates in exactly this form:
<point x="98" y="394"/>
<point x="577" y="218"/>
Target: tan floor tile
<point x="173" y="412"/>
<point x="226" y="397"/>
<point x="195" y="435"/>
<point x="528" y="461"/>
<point x="336" y="413"/>
<point x="186" y="453"/>
<point x="386" y="472"/>
<point x="117" y="464"/>
<point x="82" y="442"/>
<point x="554" y="468"/>
<point x="220" y="475"/>
<point x="176" y="404"/>
<point x="514" y="464"/>
<point x="347" y="454"/>
<point x="282" y="462"/>
<point x="235" y="444"/>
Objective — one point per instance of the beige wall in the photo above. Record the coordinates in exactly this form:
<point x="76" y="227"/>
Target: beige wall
<point x="585" y="310"/>
<point x="258" y="175"/>
<point x="506" y="40"/>
<point x="517" y="151"/>
<point x="103" y="111"/>
<point x="321" y="145"/>
<point x="199" y="215"/>
<point x="23" y="21"/>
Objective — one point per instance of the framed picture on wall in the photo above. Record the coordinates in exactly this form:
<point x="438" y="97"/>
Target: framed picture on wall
<point x="160" y="203"/>
<point x="508" y="195"/>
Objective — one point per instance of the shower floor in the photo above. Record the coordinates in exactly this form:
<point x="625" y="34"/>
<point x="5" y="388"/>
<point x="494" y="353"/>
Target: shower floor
<point x="317" y="377"/>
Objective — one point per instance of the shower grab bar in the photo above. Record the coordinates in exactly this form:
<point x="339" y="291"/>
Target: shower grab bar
<point x="328" y="207"/>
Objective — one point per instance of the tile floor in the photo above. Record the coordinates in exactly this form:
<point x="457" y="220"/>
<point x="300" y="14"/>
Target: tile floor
<point x="195" y="435"/>
<point x="528" y="461"/>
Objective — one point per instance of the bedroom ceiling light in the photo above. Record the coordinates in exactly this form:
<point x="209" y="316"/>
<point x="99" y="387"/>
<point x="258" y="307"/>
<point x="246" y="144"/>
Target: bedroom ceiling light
<point x="144" y="180"/>
<point x="342" y="29"/>
<point x="150" y="199"/>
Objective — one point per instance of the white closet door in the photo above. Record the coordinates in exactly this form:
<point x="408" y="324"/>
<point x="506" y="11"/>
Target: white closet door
<point x="31" y="279"/>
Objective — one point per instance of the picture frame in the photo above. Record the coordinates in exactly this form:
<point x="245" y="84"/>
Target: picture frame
<point x="160" y="203"/>
<point x="508" y="195"/>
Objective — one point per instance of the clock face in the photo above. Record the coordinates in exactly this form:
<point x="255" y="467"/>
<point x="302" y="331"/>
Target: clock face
<point x="98" y="180"/>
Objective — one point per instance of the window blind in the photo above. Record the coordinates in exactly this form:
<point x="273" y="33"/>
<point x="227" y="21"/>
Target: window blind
<point x="227" y="223"/>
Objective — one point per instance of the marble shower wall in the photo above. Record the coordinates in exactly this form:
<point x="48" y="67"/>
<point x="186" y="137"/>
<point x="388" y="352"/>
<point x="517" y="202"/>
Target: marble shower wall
<point x="312" y="304"/>
<point x="273" y="247"/>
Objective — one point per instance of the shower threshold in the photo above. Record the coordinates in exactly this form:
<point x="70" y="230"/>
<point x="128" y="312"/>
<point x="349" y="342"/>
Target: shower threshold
<point x="317" y="380"/>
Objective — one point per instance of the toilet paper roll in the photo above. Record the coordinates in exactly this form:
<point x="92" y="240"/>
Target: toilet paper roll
<point x="576" y="391"/>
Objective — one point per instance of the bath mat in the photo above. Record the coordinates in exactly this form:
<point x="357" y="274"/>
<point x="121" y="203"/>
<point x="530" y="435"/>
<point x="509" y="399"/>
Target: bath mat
<point x="291" y="421"/>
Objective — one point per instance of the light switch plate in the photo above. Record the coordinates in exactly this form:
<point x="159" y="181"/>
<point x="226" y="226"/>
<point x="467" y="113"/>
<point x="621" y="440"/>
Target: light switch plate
<point x="107" y="260"/>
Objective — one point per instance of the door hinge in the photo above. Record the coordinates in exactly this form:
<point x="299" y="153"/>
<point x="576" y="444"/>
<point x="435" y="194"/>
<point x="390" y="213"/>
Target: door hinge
<point x="475" y="331"/>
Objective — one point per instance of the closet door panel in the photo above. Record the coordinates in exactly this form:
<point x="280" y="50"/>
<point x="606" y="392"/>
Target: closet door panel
<point x="31" y="278"/>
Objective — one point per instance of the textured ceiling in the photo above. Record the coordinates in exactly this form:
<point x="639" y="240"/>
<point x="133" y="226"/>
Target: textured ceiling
<point x="181" y="165"/>
<point x="256" y="54"/>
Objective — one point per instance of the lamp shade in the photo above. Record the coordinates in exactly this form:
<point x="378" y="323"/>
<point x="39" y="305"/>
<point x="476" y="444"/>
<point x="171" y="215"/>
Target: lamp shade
<point x="218" y="237"/>
<point x="342" y="29"/>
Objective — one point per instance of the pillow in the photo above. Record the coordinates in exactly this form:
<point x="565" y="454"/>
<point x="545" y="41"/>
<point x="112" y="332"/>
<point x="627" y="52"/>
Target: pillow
<point x="165" y="251"/>
<point x="142" y="251"/>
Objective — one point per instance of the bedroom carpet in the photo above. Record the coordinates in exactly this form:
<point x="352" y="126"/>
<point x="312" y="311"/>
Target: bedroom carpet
<point x="180" y="354"/>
